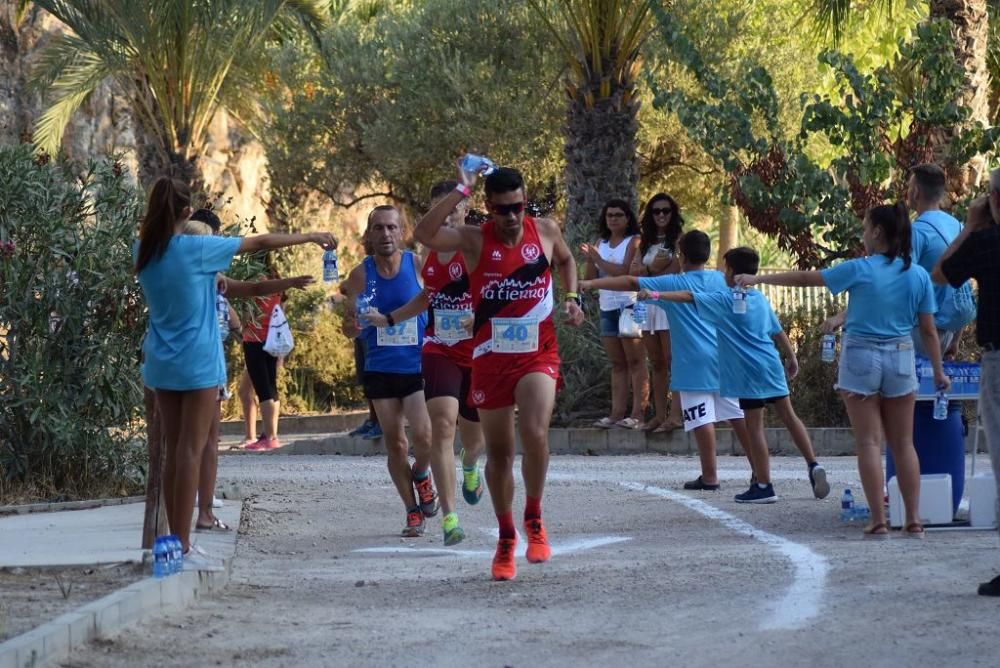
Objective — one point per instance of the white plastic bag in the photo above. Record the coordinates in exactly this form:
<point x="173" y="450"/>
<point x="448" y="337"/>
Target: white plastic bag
<point x="279" y="335"/>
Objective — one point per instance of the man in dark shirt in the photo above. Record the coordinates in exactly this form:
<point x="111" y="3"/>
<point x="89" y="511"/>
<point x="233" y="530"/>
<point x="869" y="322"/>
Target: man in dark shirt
<point x="975" y="253"/>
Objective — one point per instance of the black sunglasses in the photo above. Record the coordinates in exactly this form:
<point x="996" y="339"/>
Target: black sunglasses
<point x="663" y="210"/>
<point x="507" y="209"/>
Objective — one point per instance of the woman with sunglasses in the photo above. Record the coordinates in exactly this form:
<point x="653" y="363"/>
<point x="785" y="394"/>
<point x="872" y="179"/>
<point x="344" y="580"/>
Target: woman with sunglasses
<point x="612" y="256"/>
<point x="660" y="228"/>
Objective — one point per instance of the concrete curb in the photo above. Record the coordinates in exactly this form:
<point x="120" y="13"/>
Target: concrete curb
<point x="105" y="617"/>
<point x="596" y="442"/>
<point x="303" y="424"/>
<point x="27" y="508"/>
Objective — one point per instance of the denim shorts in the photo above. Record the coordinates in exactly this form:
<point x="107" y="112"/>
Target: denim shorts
<point x="609" y="322"/>
<point x="877" y="366"/>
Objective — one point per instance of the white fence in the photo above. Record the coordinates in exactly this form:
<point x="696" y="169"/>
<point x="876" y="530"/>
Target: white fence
<point x="785" y="300"/>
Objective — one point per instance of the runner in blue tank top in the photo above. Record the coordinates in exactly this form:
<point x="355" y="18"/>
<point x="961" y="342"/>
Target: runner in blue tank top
<point x="392" y="376"/>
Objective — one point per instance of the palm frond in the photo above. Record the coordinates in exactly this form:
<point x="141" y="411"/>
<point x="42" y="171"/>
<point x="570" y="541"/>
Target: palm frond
<point x="833" y="17"/>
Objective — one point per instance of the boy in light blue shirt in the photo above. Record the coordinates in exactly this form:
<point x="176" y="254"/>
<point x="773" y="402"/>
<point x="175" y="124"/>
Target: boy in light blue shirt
<point x="751" y="369"/>
<point x="694" y="368"/>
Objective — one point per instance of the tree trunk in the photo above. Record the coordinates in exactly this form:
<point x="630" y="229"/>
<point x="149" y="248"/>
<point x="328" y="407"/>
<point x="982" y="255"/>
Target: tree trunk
<point x="155" y="156"/>
<point x="971" y="32"/>
<point x="601" y="163"/>
<point x="729" y="233"/>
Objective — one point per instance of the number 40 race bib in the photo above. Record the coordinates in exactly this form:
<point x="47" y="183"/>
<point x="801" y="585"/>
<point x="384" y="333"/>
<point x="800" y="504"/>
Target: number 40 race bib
<point x="515" y="335"/>
<point x="401" y="334"/>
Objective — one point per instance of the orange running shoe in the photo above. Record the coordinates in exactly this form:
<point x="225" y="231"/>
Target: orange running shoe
<point x="538" y="542"/>
<point x="426" y="496"/>
<point x="504" y="567"/>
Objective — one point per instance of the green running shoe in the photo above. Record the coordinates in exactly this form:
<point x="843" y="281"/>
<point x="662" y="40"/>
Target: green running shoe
<point x="472" y="483"/>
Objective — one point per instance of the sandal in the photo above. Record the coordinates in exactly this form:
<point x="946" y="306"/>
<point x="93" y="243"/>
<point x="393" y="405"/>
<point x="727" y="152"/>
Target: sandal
<point x="879" y="530"/>
<point x="652" y="425"/>
<point x="605" y="423"/>
<point x="667" y="427"/>
<point x="627" y="423"/>
<point x="914" y="530"/>
<point x="216" y="525"/>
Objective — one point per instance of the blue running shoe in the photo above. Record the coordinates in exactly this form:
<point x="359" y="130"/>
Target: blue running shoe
<point x="374" y="433"/>
<point x="362" y="429"/>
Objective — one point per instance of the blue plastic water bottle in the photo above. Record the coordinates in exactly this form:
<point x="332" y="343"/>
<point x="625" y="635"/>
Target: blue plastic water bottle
<point x="161" y="558"/>
<point x="739" y="300"/>
<point x="478" y="164"/>
<point x="828" y="349"/>
<point x="176" y="553"/>
<point x="941" y="406"/>
<point x="639" y="313"/>
<point x="847" y="506"/>
<point x="330" y="271"/>
<point x="222" y="311"/>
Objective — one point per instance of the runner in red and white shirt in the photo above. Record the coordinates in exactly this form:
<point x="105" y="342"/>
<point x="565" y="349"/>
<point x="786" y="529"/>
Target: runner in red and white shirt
<point x="447" y="369"/>
<point x="515" y="356"/>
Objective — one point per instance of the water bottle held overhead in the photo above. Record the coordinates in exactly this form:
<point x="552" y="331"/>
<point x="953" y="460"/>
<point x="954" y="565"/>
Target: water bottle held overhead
<point x="331" y="273"/>
<point x="478" y="164"/>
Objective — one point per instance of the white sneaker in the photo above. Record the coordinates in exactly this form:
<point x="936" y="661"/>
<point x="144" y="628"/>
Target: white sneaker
<point x="216" y="502"/>
<point x="196" y="559"/>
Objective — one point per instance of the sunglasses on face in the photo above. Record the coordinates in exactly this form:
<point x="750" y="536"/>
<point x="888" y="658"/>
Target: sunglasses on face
<point x="662" y="211"/>
<point x="614" y="214"/>
<point x="507" y="209"/>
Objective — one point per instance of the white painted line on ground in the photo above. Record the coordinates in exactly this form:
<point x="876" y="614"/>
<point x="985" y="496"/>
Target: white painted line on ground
<point x="801" y="602"/>
<point x="558" y="547"/>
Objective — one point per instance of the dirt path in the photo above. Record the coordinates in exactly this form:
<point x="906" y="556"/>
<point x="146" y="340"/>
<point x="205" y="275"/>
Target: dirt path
<point x="643" y="575"/>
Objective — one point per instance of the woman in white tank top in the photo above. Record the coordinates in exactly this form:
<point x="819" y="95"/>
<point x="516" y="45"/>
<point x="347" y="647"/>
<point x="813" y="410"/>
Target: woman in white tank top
<point x="611" y="256"/>
<point x="660" y="228"/>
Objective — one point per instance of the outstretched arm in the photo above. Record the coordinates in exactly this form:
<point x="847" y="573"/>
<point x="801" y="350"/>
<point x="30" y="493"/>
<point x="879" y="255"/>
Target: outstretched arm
<point x="263" y="242"/>
<point x="616" y="283"/>
<point x="239" y="289"/>
<point x="795" y="279"/>
<point x="673" y="296"/>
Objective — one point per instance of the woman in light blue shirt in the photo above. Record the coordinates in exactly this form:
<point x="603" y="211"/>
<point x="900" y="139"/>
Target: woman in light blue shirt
<point x="888" y="295"/>
<point x="183" y="360"/>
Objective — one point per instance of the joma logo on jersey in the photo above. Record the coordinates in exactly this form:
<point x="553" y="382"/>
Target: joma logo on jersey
<point x="496" y="254"/>
<point x="430" y="271"/>
<point x="530" y="252"/>
<point x="455" y="271"/>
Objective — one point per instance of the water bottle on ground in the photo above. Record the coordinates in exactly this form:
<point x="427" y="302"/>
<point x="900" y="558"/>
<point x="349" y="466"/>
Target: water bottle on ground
<point x="176" y="553"/>
<point x="941" y="406"/>
<point x="331" y="273"/>
<point x="639" y="314"/>
<point x="828" y="349"/>
<point x="161" y="558"/>
<point x="739" y="300"/>
<point x="847" y="506"/>
<point x="478" y="164"/>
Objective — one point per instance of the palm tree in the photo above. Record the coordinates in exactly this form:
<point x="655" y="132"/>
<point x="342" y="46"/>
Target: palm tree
<point x="970" y="22"/>
<point x="601" y="42"/>
<point x="177" y="62"/>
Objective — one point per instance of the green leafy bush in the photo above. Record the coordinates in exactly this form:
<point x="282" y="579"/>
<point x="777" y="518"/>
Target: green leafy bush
<point x="71" y="324"/>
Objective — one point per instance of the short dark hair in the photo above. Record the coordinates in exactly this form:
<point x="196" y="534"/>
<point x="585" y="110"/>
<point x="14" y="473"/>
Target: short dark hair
<point x="742" y="260"/>
<point x="380" y="207"/>
<point x="504" y="180"/>
<point x="208" y="217"/>
<point x="696" y="246"/>
<point x="930" y="181"/>
<point x="442" y="188"/>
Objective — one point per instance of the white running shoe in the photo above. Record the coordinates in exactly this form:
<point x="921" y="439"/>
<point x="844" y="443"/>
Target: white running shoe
<point x="196" y="559"/>
<point x="216" y="502"/>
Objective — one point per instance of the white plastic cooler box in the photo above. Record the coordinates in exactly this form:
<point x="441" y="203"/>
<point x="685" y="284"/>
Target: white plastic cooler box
<point x="982" y="501"/>
<point x="935" y="500"/>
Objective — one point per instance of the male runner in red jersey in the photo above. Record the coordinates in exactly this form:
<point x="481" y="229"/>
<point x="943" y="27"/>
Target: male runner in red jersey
<point x="515" y="359"/>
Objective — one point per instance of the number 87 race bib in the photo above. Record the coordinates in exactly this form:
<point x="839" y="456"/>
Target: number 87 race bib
<point x="514" y="335"/>
<point x="401" y="334"/>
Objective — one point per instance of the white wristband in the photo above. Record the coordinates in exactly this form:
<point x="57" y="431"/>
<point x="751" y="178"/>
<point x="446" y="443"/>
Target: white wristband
<point x="463" y="189"/>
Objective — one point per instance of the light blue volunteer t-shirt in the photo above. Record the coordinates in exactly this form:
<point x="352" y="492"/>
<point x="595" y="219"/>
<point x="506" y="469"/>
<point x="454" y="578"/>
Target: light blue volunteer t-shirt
<point x="749" y="364"/>
<point x="694" y="365"/>
<point x="883" y="300"/>
<point x="183" y="349"/>
<point x="928" y="245"/>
